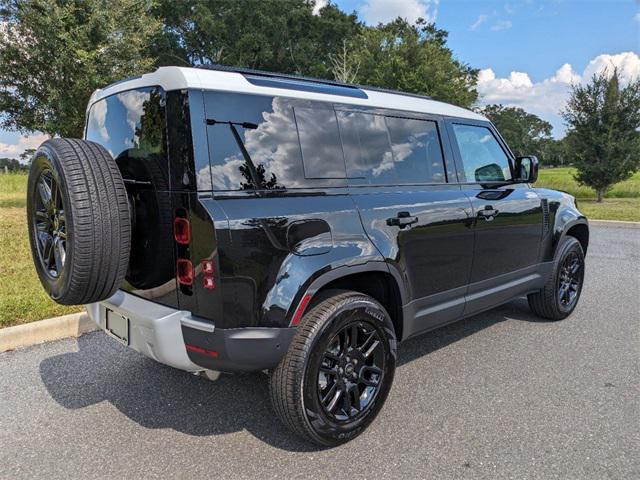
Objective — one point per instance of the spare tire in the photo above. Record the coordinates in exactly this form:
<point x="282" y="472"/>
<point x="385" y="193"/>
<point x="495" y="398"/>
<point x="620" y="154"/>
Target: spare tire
<point x="79" y="221"/>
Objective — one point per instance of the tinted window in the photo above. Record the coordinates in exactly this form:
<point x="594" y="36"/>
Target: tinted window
<point x="320" y="143"/>
<point x="131" y="125"/>
<point x="270" y="137"/>
<point x="417" y="156"/>
<point x="366" y="146"/>
<point x="483" y="160"/>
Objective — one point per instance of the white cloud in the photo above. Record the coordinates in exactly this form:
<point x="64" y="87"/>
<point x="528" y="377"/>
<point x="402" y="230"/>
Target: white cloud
<point x="501" y="25"/>
<point x="320" y="4"/>
<point x="375" y="11"/>
<point x="547" y="97"/>
<point x="636" y="17"/>
<point x="481" y="19"/>
<point x="13" y="150"/>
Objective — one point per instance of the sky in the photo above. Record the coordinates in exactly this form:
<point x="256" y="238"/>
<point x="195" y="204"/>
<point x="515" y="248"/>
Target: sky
<point x="529" y="52"/>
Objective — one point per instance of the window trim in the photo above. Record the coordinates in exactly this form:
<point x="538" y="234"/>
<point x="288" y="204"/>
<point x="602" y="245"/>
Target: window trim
<point x="450" y="122"/>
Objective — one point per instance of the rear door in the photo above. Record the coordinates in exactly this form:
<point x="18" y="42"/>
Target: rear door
<point x="507" y="218"/>
<point x="420" y="223"/>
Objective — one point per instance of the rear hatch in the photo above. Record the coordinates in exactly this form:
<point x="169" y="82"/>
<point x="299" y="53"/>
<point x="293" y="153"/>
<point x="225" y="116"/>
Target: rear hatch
<point x="132" y="126"/>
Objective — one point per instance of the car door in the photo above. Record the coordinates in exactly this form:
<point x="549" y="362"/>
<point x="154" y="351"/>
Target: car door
<point x="508" y="217"/>
<point x="418" y="221"/>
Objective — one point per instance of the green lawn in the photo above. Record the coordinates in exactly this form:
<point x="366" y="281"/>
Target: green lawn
<point x="622" y="202"/>
<point x="23" y="300"/>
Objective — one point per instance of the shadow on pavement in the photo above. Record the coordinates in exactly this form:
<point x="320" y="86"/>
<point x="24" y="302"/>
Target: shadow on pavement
<point x="156" y="396"/>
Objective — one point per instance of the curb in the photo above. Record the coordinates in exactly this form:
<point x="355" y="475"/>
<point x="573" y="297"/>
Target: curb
<point x="33" y="333"/>
<point x="614" y="223"/>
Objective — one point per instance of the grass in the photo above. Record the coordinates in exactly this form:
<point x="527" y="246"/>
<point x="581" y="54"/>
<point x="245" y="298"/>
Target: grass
<point x="622" y="202"/>
<point x="23" y="300"/>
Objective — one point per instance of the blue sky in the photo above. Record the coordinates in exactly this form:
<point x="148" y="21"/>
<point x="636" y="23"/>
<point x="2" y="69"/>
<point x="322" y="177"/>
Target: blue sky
<point x="529" y="51"/>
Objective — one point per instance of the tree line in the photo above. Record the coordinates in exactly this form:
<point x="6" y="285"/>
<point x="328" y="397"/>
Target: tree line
<point x="55" y="53"/>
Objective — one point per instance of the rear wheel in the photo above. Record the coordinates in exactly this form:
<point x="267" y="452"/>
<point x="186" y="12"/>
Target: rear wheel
<point x="338" y="371"/>
<point x="560" y="295"/>
<point x="78" y="219"/>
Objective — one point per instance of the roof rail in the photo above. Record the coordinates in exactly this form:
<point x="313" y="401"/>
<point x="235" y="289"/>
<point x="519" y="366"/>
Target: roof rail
<point x="287" y="76"/>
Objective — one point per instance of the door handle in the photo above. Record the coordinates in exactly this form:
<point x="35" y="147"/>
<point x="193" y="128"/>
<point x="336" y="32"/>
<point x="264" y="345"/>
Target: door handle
<point x="488" y="213"/>
<point x="402" y="220"/>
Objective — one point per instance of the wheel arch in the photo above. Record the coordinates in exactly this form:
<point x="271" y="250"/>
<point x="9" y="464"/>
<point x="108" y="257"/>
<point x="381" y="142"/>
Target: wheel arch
<point x="373" y="278"/>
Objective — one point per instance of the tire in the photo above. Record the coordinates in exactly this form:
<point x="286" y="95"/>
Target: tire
<point x="79" y="221"/>
<point x="325" y="339"/>
<point x="550" y="302"/>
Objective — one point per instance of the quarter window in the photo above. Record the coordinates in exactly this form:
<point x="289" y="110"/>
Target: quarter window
<point x="483" y="160"/>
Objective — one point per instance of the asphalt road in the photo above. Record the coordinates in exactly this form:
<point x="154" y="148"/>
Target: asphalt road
<point x="500" y="395"/>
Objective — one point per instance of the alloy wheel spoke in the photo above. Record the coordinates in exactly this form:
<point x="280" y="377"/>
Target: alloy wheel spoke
<point x="44" y="190"/>
<point x="330" y="399"/>
<point x="59" y="254"/>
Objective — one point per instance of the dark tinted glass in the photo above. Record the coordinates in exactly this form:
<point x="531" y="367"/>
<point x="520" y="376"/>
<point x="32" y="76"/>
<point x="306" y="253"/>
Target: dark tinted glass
<point x="320" y="143"/>
<point x="131" y="125"/>
<point x="417" y="156"/>
<point x="366" y="146"/>
<point x="270" y="137"/>
<point x="483" y="160"/>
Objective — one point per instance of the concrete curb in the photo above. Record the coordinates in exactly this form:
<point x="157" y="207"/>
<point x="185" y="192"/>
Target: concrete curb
<point x="614" y="223"/>
<point x="72" y="325"/>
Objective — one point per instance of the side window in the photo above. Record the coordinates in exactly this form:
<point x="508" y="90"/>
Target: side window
<point x="483" y="160"/>
<point x="417" y="153"/>
<point x="266" y="129"/>
<point x="320" y="143"/>
<point x="131" y="125"/>
<point x="367" y="149"/>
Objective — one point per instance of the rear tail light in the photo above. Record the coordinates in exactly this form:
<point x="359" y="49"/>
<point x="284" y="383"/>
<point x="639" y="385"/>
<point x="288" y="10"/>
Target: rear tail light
<point x="200" y="350"/>
<point x="182" y="230"/>
<point x="184" y="270"/>
<point x="208" y="271"/>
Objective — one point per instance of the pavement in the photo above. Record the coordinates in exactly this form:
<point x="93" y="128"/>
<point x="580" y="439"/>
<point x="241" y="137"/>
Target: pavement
<point x="499" y="395"/>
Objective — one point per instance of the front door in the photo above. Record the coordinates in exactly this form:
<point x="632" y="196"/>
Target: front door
<point x="507" y="217"/>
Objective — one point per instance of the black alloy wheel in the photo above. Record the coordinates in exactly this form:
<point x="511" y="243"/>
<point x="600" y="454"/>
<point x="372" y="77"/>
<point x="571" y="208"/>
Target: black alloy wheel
<point x="351" y="371"/>
<point x="338" y="370"/>
<point x="570" y="280"/>
<point x="561" y="292"/>
<point x="50" y="224"/>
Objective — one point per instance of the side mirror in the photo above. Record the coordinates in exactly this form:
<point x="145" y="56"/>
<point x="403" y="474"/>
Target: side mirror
<point x="526" y="169"/>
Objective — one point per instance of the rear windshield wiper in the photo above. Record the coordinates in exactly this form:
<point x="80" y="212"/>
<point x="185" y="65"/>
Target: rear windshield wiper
<point x="236" y="135"/>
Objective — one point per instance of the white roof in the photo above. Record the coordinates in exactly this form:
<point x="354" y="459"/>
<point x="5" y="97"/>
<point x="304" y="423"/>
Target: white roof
<point x="178" y="78"/>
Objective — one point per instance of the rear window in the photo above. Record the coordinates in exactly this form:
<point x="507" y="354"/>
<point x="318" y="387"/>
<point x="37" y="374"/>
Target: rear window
<point x="131" y="126"/>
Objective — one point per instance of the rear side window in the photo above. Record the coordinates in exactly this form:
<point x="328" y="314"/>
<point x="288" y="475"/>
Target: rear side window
<point x="320" y="143"/>
<point x="416" y="150"/>
<point x="267" y="130"/>
<point x="483" y="160"/>
<point x="382" y="150"/>
<point x="132" y="125"/>
<point x="367" y="148"/>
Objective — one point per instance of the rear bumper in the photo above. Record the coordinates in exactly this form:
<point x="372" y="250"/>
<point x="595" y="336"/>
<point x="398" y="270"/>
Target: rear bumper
<point x="161" y="333"/>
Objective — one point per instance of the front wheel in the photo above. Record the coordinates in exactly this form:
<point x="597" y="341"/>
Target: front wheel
<point x="338" y="371"/>
<point x="560" y="295"/>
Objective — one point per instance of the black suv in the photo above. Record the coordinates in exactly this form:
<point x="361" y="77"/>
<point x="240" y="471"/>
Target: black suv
<point x="240" y="220"/>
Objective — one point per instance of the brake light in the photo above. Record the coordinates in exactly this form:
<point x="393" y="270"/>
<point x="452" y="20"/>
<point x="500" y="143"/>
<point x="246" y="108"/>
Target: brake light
<point x="184" y="269"/>
<point x="207" y="267"/>
<point x="182" y="230"/>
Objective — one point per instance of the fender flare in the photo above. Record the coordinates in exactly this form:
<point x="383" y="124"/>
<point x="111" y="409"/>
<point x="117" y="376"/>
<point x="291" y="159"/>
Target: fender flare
<point x="303" y="297"/>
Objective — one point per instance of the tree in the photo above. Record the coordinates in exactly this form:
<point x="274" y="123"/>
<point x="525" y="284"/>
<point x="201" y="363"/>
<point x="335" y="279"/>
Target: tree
<point x="603" y="136"/>
<point x="413" y="58"/>
<point x="525" y="133"/>
<point x="343" y="66"/>
<point x="25" y="157"/>
<point x="54" y="53"/>
<point x="276" y="35"/>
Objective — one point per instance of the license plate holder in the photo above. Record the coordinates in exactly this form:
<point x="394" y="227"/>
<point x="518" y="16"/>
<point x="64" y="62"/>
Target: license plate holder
<point x="117" y="326"/>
